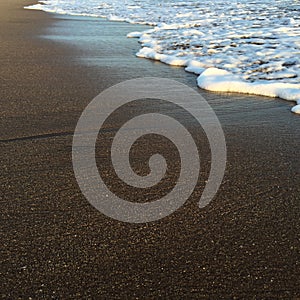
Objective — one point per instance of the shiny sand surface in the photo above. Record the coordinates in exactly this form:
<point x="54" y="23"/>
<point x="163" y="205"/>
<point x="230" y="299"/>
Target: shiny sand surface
<point x="55" y="245"/>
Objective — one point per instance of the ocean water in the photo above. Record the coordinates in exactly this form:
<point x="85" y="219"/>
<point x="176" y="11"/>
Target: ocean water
<point x="248" y="46"/>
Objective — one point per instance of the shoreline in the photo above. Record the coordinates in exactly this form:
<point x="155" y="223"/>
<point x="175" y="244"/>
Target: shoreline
<point x="212" y="79"/>
<point x="245" y="244"/>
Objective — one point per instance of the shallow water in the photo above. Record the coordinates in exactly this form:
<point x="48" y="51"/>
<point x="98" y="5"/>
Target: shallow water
<point x="258" y="40"/>
<point x="246" y="47"/>
<point x="109" y="52"/>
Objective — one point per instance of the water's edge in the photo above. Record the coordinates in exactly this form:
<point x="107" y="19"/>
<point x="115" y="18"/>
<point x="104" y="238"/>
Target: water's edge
<point x="209" y="78"/>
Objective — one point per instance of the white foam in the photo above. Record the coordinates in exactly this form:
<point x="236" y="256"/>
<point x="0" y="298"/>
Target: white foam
<point x="135" y="34"/>
<point x="195" y="67"/>
<point x="218" y="80"/>
<point x="296" y="109"/>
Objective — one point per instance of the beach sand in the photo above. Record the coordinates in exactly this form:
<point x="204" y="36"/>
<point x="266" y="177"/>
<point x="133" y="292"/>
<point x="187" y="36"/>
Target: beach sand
<point x="55" y="245"/>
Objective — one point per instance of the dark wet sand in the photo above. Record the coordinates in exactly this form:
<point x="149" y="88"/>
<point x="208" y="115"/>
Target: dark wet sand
<point x="54" y="245"/>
